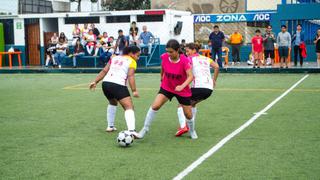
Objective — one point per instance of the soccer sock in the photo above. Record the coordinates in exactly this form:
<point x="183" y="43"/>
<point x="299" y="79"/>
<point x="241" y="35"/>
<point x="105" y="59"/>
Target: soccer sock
<point x="181" y="117"/>
<point x="130" y="119"/>
<point x="111" y="114"/>
<point x="194" y="113"/>
<point x="47" y="61"/>
<point x="149" y="118"/>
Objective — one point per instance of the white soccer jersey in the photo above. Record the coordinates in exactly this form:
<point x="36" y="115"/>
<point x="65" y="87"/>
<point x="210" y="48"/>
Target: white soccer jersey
<point x="119" y="68"/>
<point x="201" y="72"/>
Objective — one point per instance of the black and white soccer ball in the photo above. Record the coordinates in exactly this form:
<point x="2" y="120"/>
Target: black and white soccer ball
<point x="125" y="138"/>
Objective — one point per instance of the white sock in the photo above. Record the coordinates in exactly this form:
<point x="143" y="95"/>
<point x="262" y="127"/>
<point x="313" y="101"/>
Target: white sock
<point x="190" y="123"/>
<point x="130" y="119"/>
<point x="47" y="61"/>
<point x="194" y="113"/>
<point x="181" y="117"/>
<point x="149" y="118"/>
<point x="111" y="114"/>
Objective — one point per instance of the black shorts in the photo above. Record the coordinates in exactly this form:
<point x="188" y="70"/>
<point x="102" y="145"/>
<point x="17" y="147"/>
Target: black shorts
<point x="199" y="94"/>
<point x="283" y="51"/>
<point x="115" y="91"/>
<point x="182" y="100"/>
<point x="268" y="53"/>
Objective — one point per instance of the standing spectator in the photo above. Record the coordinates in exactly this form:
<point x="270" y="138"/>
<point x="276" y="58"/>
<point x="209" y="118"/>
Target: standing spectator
<point x="317" y="43"/>
<point x="216" y="39"/>
<point x="63" y="36"/>
<point x="121" y="43"/>
<point x="257" y="48"/>
<point x="108" y="50"/>
<point x="298" y="39"/>
<point x="76" y="34"/>
<point x="284" y="42"/>
<point x="183" y="46"/>
<point x="61" y="51"/>
<point x="269" y="39"/>
<point x="146" y="38"/>
<point x="95" y="30"/>
<point x="91" y="42"/>
<point x="236" y="40"/>
<point x="78" y="51"/>
<point x="133" y="39"/>
<point x="133" y="27"/>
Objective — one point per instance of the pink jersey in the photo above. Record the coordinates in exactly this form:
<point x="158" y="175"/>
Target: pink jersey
<point x="257" y="42"/>
<point x="174" y="74"/>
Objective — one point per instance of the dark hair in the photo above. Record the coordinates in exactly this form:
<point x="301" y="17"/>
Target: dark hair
<point x="133" y="22"/>
<point x="258" y="31"/>
<point x="215" y="26"/>
<point x="130" y="49"/>
<point x="183" y="40"/>
<point x="269" y="26"/>
<point x="299" y="25"/>
<point x="61" y="39"/>
<point x="193" y="46"/>
<point x="174" y="44"/>
<point x="283" y="26"/>
<point x="111" y="37"/>
<point x="120" y="30"/>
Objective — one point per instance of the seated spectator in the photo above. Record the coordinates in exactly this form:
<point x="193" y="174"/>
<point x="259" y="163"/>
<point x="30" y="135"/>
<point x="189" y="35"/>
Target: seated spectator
<point x="103" y="40"/>
<point x="133" y="27"/>
<point x="54" y="42"/>
<point x="63" y="36"/>
<point x="61" y="51"/>
<point x="133" y="39"/>
<point x="121" y="43"/>
<point x="85" y="30"/>
<point x="49" y="56"/>
<point x="145" y="39"/>
<point x="78" y="51"/>
<point x="91" y="42"/>
<point x="95" y="30"/>
<point x="108" y="50"/>
<point x="76" y="34"/>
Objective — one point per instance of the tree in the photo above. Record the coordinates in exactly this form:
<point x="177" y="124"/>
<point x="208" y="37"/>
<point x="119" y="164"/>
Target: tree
<point x="130" y="4"/>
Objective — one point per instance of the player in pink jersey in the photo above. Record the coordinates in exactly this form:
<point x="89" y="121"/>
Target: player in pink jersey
<point x="176" y="75"/>
<point x="202" y="85"/>
<point x="257" y="48"/>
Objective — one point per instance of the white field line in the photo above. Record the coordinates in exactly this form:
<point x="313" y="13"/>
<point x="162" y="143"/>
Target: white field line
<point x="216" y="147"/>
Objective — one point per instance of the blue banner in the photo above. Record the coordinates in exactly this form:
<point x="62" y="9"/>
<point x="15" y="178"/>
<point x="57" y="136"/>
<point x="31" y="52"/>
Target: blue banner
<point x="226" y="18"/>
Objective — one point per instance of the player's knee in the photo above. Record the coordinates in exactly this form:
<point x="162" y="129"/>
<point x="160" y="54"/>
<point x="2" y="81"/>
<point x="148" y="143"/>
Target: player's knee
<point x="188" y="115"/>
<point x="155" y="107"/>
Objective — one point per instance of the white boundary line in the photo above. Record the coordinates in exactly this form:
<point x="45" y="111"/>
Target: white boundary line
<point x="216" y="147"/>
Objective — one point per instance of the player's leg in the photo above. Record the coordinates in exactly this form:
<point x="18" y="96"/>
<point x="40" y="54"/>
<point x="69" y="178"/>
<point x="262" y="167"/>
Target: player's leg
<point x="129" y="115"/>
<point x="318" y="59"/>
<point x="111" y="115"/>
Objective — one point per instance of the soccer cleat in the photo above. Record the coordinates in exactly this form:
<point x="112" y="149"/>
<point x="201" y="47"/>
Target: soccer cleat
<point x="143" y="132"/>
<point x="193" y="134"/>
<point x="182" y="131"/>
<point x="111" y="129"/>
<point x="135" y="134"/>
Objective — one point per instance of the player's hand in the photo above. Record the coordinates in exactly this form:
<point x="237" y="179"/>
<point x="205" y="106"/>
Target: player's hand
<point x="135" y="94"/>
<point x="179" y="88"/>
<point x="93" y="86"/>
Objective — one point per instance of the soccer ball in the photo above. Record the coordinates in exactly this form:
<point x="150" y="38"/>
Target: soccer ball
<point x="125" y="138"/>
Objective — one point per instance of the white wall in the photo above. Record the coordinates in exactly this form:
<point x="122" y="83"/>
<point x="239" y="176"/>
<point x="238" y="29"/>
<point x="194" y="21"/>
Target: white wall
<point x="254" y="5"/>
<point x="19" y="33"/>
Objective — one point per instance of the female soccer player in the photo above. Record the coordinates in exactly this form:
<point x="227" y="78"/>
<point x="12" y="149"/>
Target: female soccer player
<point x="176" y="75"/>
<point x="202" y="85"/>
<point x="115" y="75"/>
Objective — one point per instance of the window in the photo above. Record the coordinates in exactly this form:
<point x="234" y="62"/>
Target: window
<point x="81" y="20"/>
<point x="118" y="19"/>
<point x="8" y="30"/>
<point x="149" y="18"/>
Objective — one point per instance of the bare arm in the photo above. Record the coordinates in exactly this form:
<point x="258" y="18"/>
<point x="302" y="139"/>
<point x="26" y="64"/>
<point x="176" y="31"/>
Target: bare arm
<point x="99" y="77"/>
<point x="215" y="66"/>
<point x="132" y="82"/>
<point x="186" y="82"/>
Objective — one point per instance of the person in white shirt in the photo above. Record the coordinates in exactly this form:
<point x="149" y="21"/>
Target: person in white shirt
<point x="115" y="75"/>
<point x="202" y="85"/>
<point x="61" y="49"/>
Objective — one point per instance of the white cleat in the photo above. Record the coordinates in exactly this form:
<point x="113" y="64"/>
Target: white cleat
<point x="135" y="134"/>
<point x="193" y="134"/>
<point x="143" y="132"/>
<point x="111" y="129"/>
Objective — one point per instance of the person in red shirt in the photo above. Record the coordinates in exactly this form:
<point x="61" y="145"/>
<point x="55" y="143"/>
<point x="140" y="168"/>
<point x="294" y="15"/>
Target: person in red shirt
<point x="257" y="48"/>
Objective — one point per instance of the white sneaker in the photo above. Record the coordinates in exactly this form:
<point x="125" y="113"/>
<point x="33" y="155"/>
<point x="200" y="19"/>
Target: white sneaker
<point x="111" y="129"/>
<point x="232" y="64"/>
<point x="143" y="132"/>
<point x="59" y="66"/>
<point x="135" y="134"/>
<point x="193" y="134"/>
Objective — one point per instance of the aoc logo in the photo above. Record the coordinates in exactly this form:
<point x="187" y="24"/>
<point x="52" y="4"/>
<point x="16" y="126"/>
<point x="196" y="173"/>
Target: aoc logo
<point x="231" y="18"/>
<point x="202" y="19"/>
<point x="261" y="17"/>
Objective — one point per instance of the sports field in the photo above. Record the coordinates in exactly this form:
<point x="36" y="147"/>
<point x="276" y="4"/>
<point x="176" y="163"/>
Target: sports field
<point x="53" y="127"/>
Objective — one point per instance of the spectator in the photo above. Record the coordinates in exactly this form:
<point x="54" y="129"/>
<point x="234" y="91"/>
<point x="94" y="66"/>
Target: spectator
<point x="108" y="50"/>
<point x="91" y="42"/>
<point x="95" y="31"/>
<point x="146" y="38"/>
<point x="133" y="27"/>
<point x="76" y="34"/>
<point x="54" y="39"/>
<point x="85" y="30"/>
<point x="317" y="43"/>
<point x="257" y="48"/>
<point x="103" y="40"/>
<point x="284" y="42"/>
<point x="63" y="36"/>
<point x="235" y="41"/>
<point x="61" y="51"/>
<point x="298" y="39"/>
<point x="133" y="39"/>
<point x="121" y="43"/>
<point x="49" y="55"/>
<point x="216" y="39"/>
<point x="269" y="39"/>
<point x="183" y="46"/>
<point x="77" y="52"/>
